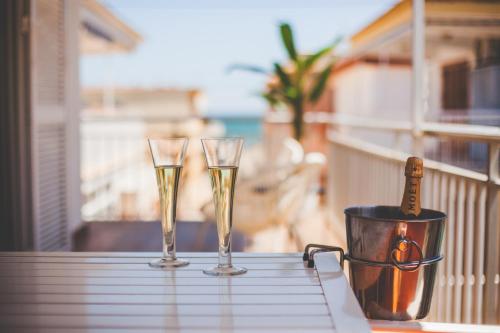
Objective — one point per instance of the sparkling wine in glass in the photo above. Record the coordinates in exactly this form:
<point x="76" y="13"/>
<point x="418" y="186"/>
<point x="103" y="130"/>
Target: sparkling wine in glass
<point x="168" y="159"/>
<point x="223" y="158"/>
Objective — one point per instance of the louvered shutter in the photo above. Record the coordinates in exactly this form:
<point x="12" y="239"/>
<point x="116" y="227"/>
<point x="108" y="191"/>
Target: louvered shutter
<point x="54" y="114"/>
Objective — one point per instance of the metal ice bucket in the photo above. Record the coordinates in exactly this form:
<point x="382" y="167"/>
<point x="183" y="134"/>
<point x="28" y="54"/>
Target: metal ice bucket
<point x="393" y="260"/>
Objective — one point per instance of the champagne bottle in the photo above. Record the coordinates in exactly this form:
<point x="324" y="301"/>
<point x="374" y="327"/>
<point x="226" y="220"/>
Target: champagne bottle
<point x="414" y="171"/>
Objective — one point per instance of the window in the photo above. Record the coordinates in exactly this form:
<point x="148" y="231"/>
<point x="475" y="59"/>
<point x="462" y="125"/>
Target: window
<point x="456" y="86"/>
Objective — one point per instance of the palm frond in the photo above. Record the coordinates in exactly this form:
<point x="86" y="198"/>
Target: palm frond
<point x="320" y="84"/>
<point x="287" y="39"/>
<point x="247" y="68"/>
<point x="282" y="75"/>
<point x="313" y="58"/>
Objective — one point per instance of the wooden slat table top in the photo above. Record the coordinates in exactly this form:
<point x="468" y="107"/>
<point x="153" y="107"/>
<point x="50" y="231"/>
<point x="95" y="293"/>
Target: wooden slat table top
<point x="119" y="292"/>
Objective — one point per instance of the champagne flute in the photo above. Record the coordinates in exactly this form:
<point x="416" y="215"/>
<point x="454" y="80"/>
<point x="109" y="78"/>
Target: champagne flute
<point x="168" y="159"/>
<point x="223" y="158"/>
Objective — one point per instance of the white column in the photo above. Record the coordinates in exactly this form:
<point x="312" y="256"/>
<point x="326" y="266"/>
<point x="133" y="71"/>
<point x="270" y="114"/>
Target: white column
<point x="73" y="106"/>
<point x="491" y="289"/>
<point x="418" y="62"/>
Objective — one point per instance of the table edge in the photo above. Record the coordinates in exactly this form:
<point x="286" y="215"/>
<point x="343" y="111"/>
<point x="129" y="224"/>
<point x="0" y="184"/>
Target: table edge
<point x="343" y="305"/>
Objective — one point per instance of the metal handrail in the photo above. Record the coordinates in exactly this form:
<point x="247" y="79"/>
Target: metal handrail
<point x="370" y="123"/>
<point x="390" y="154"/>
<point x="459" y="131"/>
<point x="463" y="131"/>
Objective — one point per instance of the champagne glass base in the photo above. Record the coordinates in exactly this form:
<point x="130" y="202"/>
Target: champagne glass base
<point x="225" y="271"/>
<point x="168" y="262"/>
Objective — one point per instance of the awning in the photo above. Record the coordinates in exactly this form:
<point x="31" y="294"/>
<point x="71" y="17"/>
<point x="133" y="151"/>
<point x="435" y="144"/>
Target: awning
<point x="103" y="32"/>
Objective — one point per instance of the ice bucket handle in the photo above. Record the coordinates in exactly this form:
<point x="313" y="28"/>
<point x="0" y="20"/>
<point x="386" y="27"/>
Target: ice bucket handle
<point x="403" y="245"/>
<point x="309" y="256"/>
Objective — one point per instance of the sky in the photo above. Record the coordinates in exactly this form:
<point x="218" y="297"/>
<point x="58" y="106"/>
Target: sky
<point x="191" y="43"/>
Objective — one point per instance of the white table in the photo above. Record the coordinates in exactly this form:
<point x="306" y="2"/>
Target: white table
<point x="119" y="292"/>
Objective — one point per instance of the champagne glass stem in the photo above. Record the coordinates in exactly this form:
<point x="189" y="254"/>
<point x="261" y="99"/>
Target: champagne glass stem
<point x="168" y="242"/>
<point x="168" y="249"/>
<point x="225" y="253"/>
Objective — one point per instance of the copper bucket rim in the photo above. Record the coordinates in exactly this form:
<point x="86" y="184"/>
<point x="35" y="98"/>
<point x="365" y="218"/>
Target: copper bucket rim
<point x="429" y="214"/>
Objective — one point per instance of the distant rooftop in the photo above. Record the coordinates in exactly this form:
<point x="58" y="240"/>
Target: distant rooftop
<point x="141" y="90"/>
<point x="143" y="102"/>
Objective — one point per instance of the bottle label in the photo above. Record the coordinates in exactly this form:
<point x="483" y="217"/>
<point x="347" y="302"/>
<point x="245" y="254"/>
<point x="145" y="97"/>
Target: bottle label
<point x="411" y="197"/>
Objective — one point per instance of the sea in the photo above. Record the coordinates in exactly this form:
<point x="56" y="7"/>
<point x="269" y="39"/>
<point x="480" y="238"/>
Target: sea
<point x="248" y="127"/>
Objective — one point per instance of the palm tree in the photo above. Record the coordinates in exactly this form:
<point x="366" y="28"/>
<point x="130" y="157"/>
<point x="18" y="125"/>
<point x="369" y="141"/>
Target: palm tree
<point x="297" y="82"/>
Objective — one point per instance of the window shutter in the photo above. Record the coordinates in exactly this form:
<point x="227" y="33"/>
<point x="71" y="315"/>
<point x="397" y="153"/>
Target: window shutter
<point x="53" y="113"/>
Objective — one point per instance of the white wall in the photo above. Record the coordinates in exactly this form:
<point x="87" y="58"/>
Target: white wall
<point x="375" y="91"/>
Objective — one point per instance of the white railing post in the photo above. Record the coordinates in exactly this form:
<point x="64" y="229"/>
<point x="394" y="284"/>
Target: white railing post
<point x="418" y="61"/>
<point x="491" y="297"/>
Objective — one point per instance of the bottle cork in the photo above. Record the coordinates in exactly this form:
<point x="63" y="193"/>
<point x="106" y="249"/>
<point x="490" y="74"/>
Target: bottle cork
<point x="414" y="171"/>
